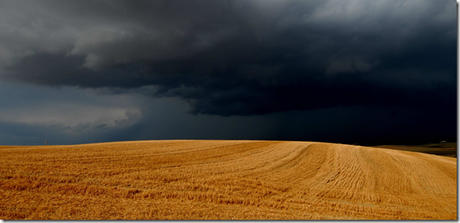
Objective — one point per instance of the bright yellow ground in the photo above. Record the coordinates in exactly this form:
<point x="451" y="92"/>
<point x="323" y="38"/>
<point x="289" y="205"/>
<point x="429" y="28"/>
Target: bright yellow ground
<point x="224" y="180"/>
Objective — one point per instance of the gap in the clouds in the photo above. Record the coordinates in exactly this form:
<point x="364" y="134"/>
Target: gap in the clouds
<point x="65" y="115"/>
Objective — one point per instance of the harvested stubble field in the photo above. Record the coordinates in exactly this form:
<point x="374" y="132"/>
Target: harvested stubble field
<point x="188" y="179"/>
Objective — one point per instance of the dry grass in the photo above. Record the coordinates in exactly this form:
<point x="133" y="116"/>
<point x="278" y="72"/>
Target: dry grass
<point x="224" y="180"/>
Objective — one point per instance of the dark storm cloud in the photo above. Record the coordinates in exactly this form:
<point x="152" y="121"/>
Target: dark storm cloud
<point x="239" y="57"/>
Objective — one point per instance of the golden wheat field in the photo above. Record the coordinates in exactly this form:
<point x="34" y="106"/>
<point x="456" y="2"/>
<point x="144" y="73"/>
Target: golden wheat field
<point x="205" y="179"/>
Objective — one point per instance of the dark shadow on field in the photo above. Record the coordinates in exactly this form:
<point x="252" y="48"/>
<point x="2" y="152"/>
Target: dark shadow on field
<point x="448" y="149"/>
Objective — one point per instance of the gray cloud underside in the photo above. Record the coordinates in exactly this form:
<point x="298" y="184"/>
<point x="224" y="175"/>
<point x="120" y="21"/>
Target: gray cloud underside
<point x="239" y="57"/>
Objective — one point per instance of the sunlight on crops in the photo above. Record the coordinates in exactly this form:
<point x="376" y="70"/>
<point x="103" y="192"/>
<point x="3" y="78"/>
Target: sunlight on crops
<point x="193" y="179"/>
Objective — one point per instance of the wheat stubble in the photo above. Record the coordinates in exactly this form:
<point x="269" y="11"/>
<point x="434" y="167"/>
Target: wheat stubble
<point x="212" y="179"/>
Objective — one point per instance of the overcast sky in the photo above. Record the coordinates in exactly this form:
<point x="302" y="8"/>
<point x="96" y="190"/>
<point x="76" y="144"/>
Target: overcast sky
<point x="348" y="71"/>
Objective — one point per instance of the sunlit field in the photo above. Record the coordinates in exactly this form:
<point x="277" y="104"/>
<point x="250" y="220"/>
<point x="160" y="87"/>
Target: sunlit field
<point x="188" y="179"/>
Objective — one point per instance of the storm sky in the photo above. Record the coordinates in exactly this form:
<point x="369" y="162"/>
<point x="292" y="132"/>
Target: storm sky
<point x="346" y="71"/>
